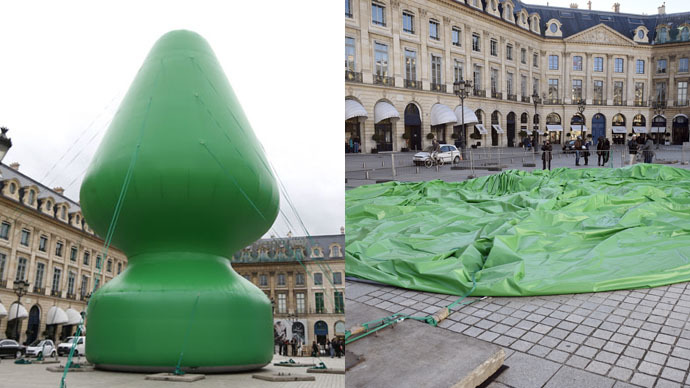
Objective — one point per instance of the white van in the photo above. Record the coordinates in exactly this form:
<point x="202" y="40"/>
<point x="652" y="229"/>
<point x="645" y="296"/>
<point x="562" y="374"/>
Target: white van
<point x="65" y="347"/>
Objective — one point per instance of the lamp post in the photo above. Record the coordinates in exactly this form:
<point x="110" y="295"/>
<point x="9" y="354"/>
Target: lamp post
<point x="21" y="287"/>
<point x="462" y="89"/>
<point x="535" y="132"/>
<point x="659" y="106"/>
<point x="581" y="109"/>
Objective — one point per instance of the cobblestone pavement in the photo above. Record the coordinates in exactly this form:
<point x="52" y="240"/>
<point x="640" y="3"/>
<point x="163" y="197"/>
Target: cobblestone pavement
<point x="608" y="339"/>
<point x="36" y="376"/>
<point x="363" y="169"/>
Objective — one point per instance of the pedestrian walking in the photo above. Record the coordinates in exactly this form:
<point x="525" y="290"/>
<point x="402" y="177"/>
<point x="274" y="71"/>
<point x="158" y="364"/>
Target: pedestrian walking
<point x="546" y="154"/>
<point x="585" y="151"/>
<point x="314" y="349"/>
<point x="607" y="150"/>
<point x="293" y="344"/>
<point x="331" y="348"/>
<point x="578" y="148"/>
<point x="632" y="149"/>
<point x="600" y="152"/>
<point x="647" y="150"/>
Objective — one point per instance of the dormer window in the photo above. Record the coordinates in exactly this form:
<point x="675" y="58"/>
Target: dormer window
<point x="32" y="197"/>
<point x="524" y="19"/>
<point x="13" y="188"/>
<point x="63" y="213"/>
<point x="493" y="5"/>
<point x="640" y="34"/>
<point x="553" y="27"/>
<point x="48" y="205"/>
<point x="663" y="35"/>
<point x="684" y="34"/>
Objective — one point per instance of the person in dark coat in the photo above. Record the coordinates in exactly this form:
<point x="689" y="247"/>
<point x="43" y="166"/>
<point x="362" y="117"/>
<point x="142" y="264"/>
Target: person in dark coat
<point x="314" y="349"/>
<point x="632" y="149"/>
<point x="546" y="154"/>
<point x="600" y="148"/>
<point x="578" y="149"/>
<point x="585" y="151"/>
<point x="647" y="150"/>
<point x="293" y="343"/>
<point x="607" y="150"/>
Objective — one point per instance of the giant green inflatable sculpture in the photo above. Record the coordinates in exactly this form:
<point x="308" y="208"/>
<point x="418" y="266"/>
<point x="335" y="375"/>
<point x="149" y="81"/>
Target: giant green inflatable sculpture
<point x="193" y="186"/>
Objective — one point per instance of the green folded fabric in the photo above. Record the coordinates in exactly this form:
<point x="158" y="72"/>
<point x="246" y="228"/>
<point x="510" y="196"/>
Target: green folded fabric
<point x="546" y="232"/>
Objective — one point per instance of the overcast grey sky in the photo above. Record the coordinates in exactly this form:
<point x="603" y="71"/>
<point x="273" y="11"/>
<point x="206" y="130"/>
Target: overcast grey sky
<point x="627" y="6"/>
<point x="65" y="66"/>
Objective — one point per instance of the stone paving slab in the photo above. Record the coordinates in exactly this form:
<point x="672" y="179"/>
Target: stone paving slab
<point x="637" y="337"/>
<point x="392" y="357"/>
<point x="36" y="376"/>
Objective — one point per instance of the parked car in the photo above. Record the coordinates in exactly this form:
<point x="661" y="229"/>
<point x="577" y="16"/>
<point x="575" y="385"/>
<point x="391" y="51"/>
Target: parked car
<point x="569" y="147"/>
<point x="11" y="348"/>
<point x="47" y="347"/>
<point x="448" y="154"/>
<point x="64" y="348"/>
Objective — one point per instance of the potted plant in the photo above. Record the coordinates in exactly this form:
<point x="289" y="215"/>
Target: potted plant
<point x="375" y="137"/>
<point x="406" y="137"/>
<point x="475" y="136"/>
<point x="430" y="136"/>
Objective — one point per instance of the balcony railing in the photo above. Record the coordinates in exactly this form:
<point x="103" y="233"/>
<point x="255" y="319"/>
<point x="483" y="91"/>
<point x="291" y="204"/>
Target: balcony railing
<point x="512" y="97"/>
<point x="640" y="103"/>
<point x="658" y="103"/>
<point x="438" y="87"/>
<point x="3" y="283"/>
<point x="525" y="99"/>
<point x="598" y="102"/>
<point x="497" y="95"/>
<point x="57" y="293"/>
<point x="383" y="80"/>
<point x="620" y="103"/>
<point x="681" y="103"/>
<point x="39" y="290"/>
<point x="479" y="93"/>
<point x="353" y="76"/>
<point x="413" y="84"/>
<point x="552" y="101"/>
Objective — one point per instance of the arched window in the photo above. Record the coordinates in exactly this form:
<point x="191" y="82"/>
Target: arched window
<point x="576" y="120"/>
<point x="553" y="119"/>
<point x="479" y="115"/>
<point x="639" y="121"/>
<point x="524" y="118"/>
<point x="495" y="117"/>
<point x="536" y="119"/>
<point x="618" y="120"/>
<point x="684" y="34"/>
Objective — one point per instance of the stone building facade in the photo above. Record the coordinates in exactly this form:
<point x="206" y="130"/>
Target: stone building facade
<point x="305" y="279"/>
<point x="45" y="241"/>
<point x="403" y="56"/>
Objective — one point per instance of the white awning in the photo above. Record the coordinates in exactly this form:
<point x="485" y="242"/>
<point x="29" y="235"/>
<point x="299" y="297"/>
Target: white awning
<point x="56" y="316"/>
<point x="554" y="127"/>
<point x="470" y="117"/>
<point x="441" y="114"/>
<point x="17" y="313"/>
<point x="481" y="129"/>
<point x="577" y="127"/>
<point x="73" y="317"/>
<point x="618" y="129"/>
<point x="657" y="130"/>
<point x="639" y="129"/>
<point x="497" y="128"/>
<point x="384" y="110"/>
<point x="3" y="311"/>
<point x="354" y="109"/>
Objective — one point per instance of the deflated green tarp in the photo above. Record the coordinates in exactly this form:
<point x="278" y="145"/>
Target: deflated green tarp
<point x="547" y="232"/>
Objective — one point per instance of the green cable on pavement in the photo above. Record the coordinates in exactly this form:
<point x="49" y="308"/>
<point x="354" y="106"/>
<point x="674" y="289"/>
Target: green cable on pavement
<point x="433" y="320"/>
<point x="179" y="371"/>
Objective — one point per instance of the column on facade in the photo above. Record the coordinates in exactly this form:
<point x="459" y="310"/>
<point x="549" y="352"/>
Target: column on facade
<point x="291" y="302"/>
<point x="517" y="87"/>
<point x="398" y="128"/>
<point x="543" y="66"/>
<point x="609" y="80"/>
<point x="366" y="62"/>
<point x="530" y="82"/>
<point x="629" y="84"/>
<point x="424" y="59"/>
<point x="567" y="82"/>
<point x="589" y="87"/>
<point x="448" y="78"/>
<point x="396" y="54"/>
<point x="272" y="285"/>
<point x="486" y="48"/>
<point x="671" y="92"/>
<point x="650" y="81"/>
<point x="467" y="66"/>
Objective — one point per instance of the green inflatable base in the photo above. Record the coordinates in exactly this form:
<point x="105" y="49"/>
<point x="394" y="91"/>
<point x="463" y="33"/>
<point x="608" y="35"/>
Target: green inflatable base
<point x="165" y="305"/>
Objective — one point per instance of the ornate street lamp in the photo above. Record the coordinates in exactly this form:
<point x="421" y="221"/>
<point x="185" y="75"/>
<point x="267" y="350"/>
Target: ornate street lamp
<point x="535" y="132"/>
<point x="21" y="287"/>
<point x="581" y="109"/>
<point x="462" y="89"/>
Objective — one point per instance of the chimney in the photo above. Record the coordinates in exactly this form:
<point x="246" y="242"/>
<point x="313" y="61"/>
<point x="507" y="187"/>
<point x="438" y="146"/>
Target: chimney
<point x="59" y="190"/>
<point x="14" y="166"/>
<point x="662" y="9"/>
<point x="589" y="4"/>
<point x="342" y="230"/>
<point x="573" y="5"/>
<point x="617" y="7"/>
